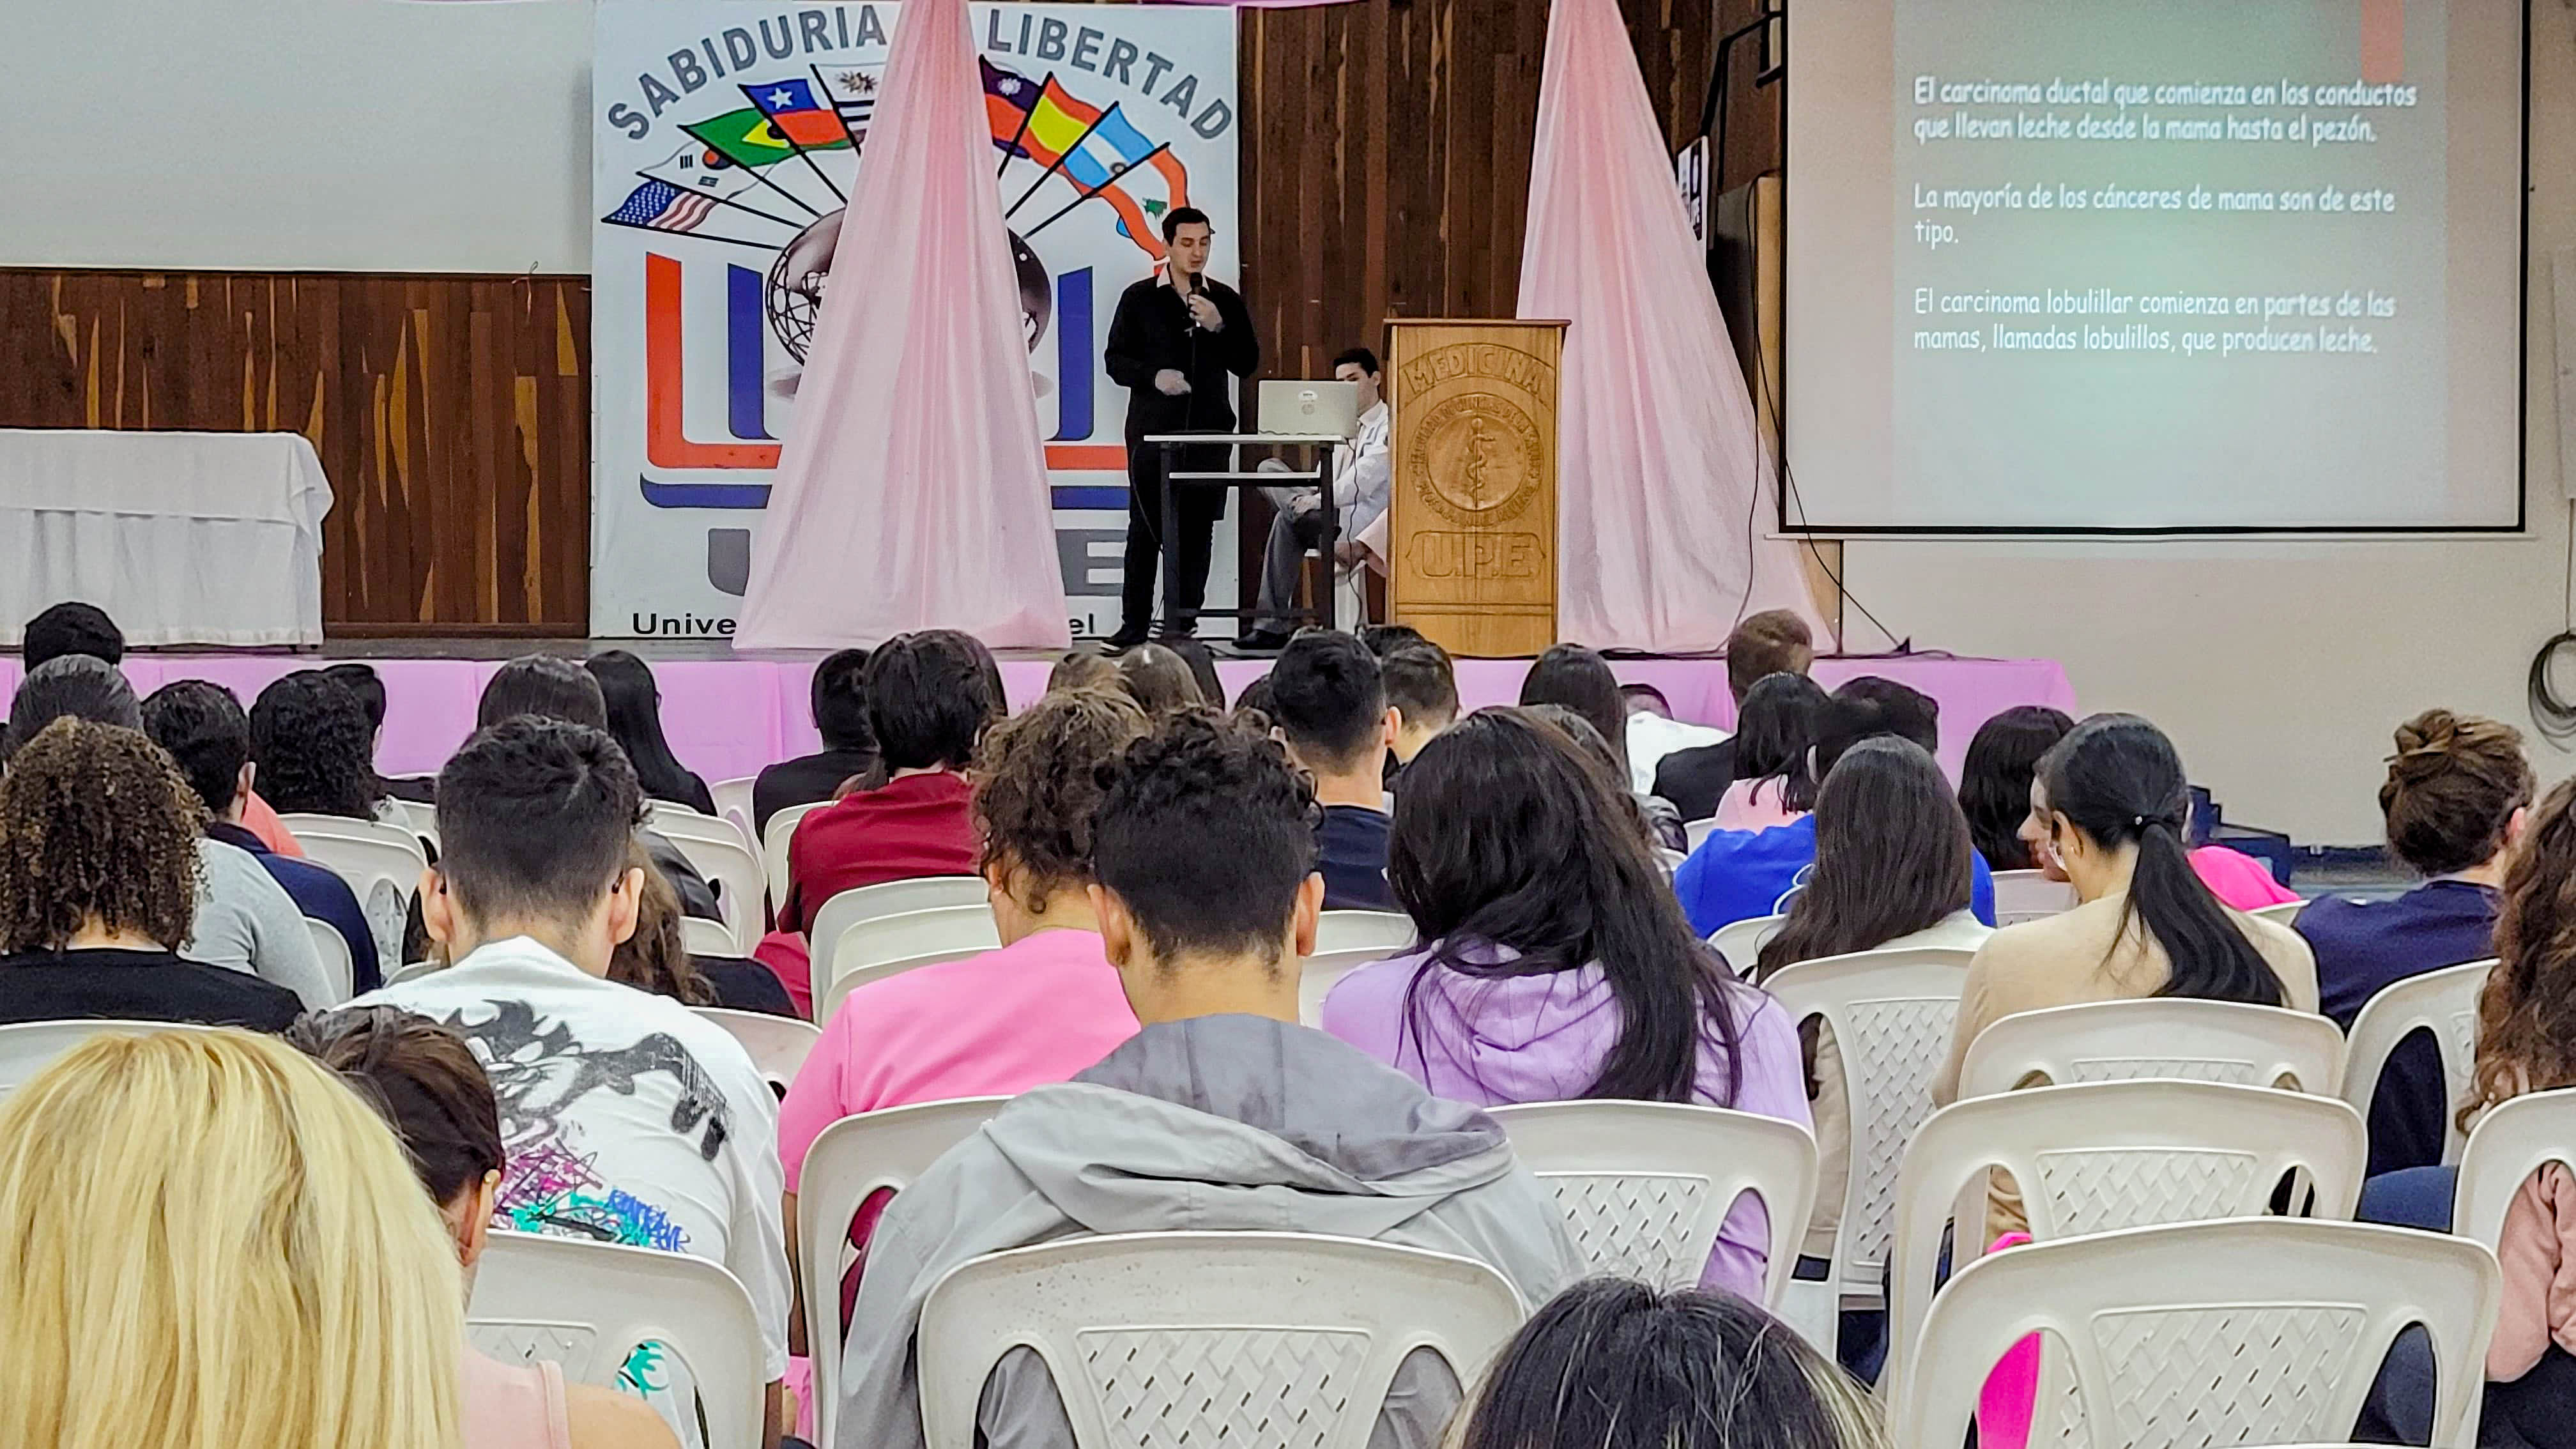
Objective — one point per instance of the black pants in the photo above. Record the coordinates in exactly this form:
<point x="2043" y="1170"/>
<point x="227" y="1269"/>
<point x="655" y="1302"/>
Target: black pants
<point x="1199" y="509"/>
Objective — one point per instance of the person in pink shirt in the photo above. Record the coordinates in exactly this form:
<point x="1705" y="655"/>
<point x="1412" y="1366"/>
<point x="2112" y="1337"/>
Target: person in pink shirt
<point x="1044" y="1006"/>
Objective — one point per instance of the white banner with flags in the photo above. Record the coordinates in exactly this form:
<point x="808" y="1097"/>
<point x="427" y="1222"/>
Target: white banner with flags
<point x="726" y="133"/>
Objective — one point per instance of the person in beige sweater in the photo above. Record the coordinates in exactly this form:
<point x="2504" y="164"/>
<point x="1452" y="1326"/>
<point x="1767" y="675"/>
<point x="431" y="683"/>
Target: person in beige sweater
<point x="2111" y="802"/>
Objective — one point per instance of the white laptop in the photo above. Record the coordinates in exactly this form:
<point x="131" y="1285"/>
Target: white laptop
<point x="1310" y="409"/>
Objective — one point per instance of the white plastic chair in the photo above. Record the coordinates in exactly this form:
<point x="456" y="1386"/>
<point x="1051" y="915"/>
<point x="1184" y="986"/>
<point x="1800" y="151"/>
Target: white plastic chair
<point x="28" y="1047"/>
<point x="778" y="1045"/>
<point x="2282" y="913"/>
<point x="1264" y="1340"/>
<point x="2161" y="1036"/>
<point x="773" y="846"/>
<point x="1388" y="932"/>
<point x="1891" y="1014"/>
<point x="707" y="938"/>
<point x="2029" y="895"/>
<point x="2106" y="1156"/>
<point x="851" y="1161"/>
<point x="1645" y="1186"/>
<point x="2445" y="1002"/>
<point x="824" y="926"/>
<point x="2515" y="1139"/>
<point x="1695" y="831"/>
<point x="411" y="971"/>
<point x="720" y="853"/>
<point x="337" y="966"/>
<point x="2243" y="1331"/>
<point x="585" y="1306"/>
<point x="382" y="864"/>
<point x="733" y="802"/>
<point x="419" y="818"/>
<point x="1317" y="974"/>
<point x="1741" y="942"/>
<point x="880" y="946"/>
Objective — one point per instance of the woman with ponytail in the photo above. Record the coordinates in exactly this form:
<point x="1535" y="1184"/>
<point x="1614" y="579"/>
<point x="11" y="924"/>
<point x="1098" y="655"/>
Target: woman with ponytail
<point x="2112" y="803"/>
<point x="1556" y="962"/>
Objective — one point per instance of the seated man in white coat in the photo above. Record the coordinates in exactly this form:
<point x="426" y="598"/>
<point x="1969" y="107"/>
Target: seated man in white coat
<point x="1360" y="480"/>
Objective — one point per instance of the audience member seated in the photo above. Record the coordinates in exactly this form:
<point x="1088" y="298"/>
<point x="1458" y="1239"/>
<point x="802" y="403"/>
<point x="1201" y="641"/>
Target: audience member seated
<point x="930" y="696"/>
<point x="1220" y="1114"/>
<point x="360" y="679"/>
<point x="1158" y="680"/>
<point x="2456" y="801"/>
<point x="1611" y="1364"/>
<point x="839" y="699"/>
<point x="2113" y="802"/>
<point x="243" y="919"/>
<point x="1654" y="829"/>
<point x="215" y="1245"/>
<point x="203" y="728"/>
<point x="1893" y="872"/>
<point x="1994" y="782"/>
<point x="1556" y="965"/>
<point x="629" y="1117"/>
<point x="1253" y="702"/>
<point x="424" y="1081"/>
<point x="1082" y="669"/>
<point x="1775" y="728"/>
<point x="545" y="686"/>
<point x="70" y="627"/>
<point x="634" y="704"/>
<point x="656" y="957"/>
<point x="1774" y="641"/>
<point x="98" y="885"/>
<point x="1329" y="704"/>
<point x="315" y="750"/>
<point x="1741" y="875"/>
<point x="1422" y="688"/>
<point x="1580" y="680"/>
<point x="1653" y="732"/>
<point x="1195" y="653"/>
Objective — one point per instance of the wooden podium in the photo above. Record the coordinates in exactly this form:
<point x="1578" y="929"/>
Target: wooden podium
<point x="1471" y="524"/>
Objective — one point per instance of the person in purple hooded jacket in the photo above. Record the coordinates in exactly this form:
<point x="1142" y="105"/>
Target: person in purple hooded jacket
<point x="1558" y="964"/>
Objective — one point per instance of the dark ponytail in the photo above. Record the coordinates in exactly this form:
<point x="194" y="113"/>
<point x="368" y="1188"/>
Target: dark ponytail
<point x="2117" y="779"/>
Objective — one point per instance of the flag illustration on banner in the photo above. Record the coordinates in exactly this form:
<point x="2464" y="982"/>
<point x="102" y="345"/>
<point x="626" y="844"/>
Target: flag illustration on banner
<point x="853" y="92"/>
<point x="1095" y="149"/>
<point x="795" y="114"/>
<point x="660" y="206"/>
<point x="744" y="137"/>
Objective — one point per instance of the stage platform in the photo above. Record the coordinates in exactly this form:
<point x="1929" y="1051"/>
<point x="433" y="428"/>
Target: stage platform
<point x="728" y="715"/>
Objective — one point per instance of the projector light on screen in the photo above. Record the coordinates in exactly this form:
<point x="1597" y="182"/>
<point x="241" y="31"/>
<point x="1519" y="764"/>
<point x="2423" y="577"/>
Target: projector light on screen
<point x="2196" y="266"/>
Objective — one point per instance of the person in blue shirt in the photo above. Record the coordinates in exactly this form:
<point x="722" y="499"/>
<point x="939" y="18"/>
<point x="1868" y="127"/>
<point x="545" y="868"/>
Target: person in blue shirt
<point x="1739" y="875"/>
<point x="203" y="728"/>
<point x="2457" y="795"/>
<point x="1329" y="702"/>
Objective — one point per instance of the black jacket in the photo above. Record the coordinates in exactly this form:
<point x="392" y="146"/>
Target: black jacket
<point x="1695" y="778"/>
<point x="1152" y="331"/>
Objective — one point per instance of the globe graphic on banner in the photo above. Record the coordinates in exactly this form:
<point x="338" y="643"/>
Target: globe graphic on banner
<point x="803" y="268"/>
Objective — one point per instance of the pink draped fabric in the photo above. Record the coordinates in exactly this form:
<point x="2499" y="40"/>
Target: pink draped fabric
<point x="912" y="490"/>
<point x="1664" y="499"/>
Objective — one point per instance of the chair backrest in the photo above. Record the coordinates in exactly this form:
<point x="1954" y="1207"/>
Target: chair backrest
<point x="2282" y="912"/>
<point x="719" y="852"/>
<point x="420" y="817"/>
<point x="851" y="1161"/>
<point x="903" y="940"/>
<point x="1695" y="831"/>
<point x="778" y="1044"/>
<point x="338" y="967"/>
<point x="1387" y="932"/>
<point x="1740" y="942"/>
<point x="1317" y="973"/>
<point x="1645" y="1185"/>
<point x="382" y="864"/>
<point x="2027" y="895"/>
<point x="2106" y="1156"/>
<point x="2515" y="1139"/>
<point x="28" y="1047"/>
<point x="889" y="898"/>
<point x="2161" y="1036"/>
<point x="707" y="938"/>
<point x="774" y="839"/>
<point x="1259" y="1340"/>
<point x="2241" y="1331"/>
<point x="733" y="802"/>
<point x="1891" y="1013"/>
<point x="412" y="971"/>
<point x="2445" y="1002"/>
<point x="587" y="1306"/>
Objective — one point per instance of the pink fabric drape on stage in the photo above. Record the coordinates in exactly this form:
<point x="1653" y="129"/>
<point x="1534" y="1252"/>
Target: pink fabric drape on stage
<point x="1660" y="473"/>
<point x="912" y="490"/>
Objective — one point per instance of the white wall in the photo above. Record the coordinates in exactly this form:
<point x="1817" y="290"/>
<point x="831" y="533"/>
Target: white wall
<point x="365" y="135"/>
<point x="2281" y="667"/>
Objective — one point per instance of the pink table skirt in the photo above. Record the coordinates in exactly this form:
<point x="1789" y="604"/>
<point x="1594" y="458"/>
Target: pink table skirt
<point x="727" y="718"/>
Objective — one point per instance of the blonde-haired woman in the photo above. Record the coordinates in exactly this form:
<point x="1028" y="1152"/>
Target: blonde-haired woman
<point x="214" y="1244"/>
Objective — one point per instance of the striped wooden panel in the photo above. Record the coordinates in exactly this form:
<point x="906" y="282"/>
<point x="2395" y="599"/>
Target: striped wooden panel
<point x="452" y="414"/>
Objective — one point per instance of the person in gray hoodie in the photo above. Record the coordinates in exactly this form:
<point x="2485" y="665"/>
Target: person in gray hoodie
<point x="1221" y="1114"/>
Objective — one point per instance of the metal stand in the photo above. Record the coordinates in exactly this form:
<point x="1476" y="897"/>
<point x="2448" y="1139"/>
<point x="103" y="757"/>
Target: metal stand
<point x="1320" y="476"/>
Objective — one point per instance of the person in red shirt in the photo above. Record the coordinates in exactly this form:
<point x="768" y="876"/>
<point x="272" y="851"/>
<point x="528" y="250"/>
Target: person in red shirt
<point x="930" y="696"/>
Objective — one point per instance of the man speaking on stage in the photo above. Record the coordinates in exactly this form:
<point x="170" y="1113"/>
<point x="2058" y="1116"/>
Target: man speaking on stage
<point x="1173" y="342"/>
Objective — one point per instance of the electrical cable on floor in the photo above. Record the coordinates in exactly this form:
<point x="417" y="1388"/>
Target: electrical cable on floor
<point x="2554" y="714"/>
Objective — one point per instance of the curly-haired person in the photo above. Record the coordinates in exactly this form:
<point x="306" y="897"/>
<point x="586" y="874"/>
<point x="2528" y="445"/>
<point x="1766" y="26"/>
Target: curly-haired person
<point x="98" y="884"/>
<point x="1221" y="1113"/>
<point x="314" y="745"/>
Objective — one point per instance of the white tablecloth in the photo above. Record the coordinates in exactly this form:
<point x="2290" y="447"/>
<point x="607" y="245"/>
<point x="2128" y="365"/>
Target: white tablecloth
<point x="184" y="538"/>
